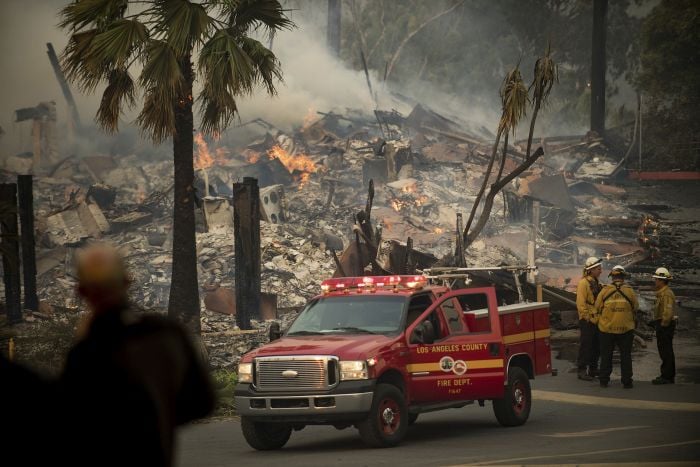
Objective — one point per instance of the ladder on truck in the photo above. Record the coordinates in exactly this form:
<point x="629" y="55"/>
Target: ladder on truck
<point x="449" y="276"/>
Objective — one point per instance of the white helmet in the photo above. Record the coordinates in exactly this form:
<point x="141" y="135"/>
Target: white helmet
<point x="662" y="273"/>
<point x="618" y="271"/>
<point x="593" y="262"/>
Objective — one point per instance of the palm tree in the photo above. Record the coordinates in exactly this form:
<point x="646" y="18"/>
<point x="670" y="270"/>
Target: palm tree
<point x="109" y="37"/>
<point x="514" y="100"/>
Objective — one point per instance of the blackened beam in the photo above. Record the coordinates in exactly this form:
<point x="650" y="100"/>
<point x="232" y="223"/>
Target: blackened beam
<point x="26" y="215"/>
<point x="67" y="94"/>
<point x="10" y="251"/>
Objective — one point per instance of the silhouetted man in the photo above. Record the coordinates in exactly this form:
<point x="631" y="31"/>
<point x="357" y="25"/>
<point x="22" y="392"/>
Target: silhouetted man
<point x="130" y="379"/>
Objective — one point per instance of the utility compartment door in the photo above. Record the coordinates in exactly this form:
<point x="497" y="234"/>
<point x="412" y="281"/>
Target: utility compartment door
<point x="465" y="360"/>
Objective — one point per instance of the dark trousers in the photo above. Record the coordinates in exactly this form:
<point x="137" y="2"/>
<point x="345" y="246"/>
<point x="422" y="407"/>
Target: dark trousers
<point x="664" y="342"/>
<point x="607" y="345"/>
<point x="589" y="347"/>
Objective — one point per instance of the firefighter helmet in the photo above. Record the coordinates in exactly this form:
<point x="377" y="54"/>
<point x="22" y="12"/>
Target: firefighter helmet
<point x="593" y="262"/>
<point x="662" y="273"/>
<point x="618" y="271"/>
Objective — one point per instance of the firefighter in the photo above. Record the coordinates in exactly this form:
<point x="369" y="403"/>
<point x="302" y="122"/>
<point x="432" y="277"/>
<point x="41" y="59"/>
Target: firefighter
<point x="586" y="293"/>
<point x="616" y="307"/>
<point x="664" y="323"/>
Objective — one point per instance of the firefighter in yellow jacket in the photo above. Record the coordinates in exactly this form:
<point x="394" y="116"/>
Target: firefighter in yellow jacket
<point x="616" y="306"/>
<point x="664" y="323"/>
<point x="586" y="293"/>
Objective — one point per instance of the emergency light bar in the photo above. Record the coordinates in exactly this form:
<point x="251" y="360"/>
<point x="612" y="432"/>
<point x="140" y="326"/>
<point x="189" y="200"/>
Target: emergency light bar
<point x="371" y="283"/>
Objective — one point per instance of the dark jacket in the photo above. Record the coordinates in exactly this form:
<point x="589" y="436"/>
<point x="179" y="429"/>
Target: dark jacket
<point x="125" y="388"/>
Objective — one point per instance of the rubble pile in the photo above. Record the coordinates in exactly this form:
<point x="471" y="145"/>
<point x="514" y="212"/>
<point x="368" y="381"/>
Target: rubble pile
<point x="426" y="168"/>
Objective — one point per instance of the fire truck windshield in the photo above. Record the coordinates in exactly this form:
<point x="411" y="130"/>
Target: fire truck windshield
<point x="355" y="314"/>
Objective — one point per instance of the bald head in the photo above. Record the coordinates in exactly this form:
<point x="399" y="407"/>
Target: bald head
<point x="102" y="277"/>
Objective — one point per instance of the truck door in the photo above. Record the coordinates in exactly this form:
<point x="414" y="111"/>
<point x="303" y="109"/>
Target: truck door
<point x="465" y="359"/>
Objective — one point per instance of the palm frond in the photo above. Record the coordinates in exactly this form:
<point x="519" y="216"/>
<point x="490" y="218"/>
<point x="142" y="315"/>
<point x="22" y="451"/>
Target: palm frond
<point x="157" y="118"/>
<point x="161" y="68"/>
<point x="244" y="15"/>
<point x="120" y="90"/>
<point x="78" y="65"/>
<point x="183" y="23"/>
<point x="267" y="66"/>
<point x="91" y="13"/>
<point x="225" y="66"/>
<point x="514" y="99"/>
<point x="217" y="110"/>
<point x="545" y="75"/>
<point x="118" y="42"/>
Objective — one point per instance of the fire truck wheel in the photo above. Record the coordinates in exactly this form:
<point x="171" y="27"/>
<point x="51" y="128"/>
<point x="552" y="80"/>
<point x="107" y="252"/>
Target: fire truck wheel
<point x="388" y="418"/>
<point x="514" y="408"/>
<point x="412" y="418"/>
<point x="265" y="436"/>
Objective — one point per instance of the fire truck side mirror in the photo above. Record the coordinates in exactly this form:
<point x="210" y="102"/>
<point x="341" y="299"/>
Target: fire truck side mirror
<point x="275" y="332"/>
<point x="424" y="333"/>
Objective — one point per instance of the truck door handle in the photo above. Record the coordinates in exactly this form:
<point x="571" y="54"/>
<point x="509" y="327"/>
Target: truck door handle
<point x="403" y="353"/>
<point x="494" y="349"/>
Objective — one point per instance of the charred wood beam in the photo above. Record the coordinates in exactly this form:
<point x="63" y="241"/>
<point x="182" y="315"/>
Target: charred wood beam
<point x="246" y="233"/>
<point x="333" y="31"/>
<point x="10" y="251"/>
<point x="338" y="264"/>
<point x="598" y="65"/>
<point x="26" y="215"/>
<point x="64" y="84"/>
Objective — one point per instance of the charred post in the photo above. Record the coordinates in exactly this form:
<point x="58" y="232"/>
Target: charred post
<point x="333" y="32"/>
<point x="75" y="117"/>
<point x="246" y="233"/>
<point x="598" y="64"/>
<point x="10" y="251"/>
<point x="25" y="192"/>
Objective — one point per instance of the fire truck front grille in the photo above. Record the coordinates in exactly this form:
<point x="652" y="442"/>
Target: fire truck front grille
<point x="300" y="373"/>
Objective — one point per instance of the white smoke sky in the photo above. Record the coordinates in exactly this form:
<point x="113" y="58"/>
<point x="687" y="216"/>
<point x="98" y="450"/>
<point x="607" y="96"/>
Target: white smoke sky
<point x="313" y="78"/>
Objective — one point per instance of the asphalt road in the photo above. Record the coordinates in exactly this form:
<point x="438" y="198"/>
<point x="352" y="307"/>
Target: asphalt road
<point x="571" y="422"/>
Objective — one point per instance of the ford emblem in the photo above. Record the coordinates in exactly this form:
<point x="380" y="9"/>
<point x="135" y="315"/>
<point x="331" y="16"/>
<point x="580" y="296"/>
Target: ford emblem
<point x="289" y="374"/>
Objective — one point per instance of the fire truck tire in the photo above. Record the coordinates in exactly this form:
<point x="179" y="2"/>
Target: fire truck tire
<point x="265" y="436"/>
<point x="514" y="408"/>
<point x="386" y="424"/>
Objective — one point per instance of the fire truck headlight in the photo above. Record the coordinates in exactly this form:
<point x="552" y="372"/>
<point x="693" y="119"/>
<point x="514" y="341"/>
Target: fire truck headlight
<point x="245" y="373"/>
<point x="353" y="370"/>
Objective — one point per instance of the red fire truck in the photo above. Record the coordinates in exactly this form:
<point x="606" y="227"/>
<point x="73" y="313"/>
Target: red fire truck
<point x="375" y="352"/>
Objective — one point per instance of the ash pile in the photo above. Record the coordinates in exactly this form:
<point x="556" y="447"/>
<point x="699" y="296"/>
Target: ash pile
<point x="422" y="170"/>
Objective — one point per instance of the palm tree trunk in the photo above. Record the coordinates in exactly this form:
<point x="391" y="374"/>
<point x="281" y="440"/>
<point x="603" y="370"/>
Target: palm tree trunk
<point x="484" y="184"/>
<point x="184" y="287"/>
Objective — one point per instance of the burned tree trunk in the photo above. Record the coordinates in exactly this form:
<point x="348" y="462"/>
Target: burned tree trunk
<point x="184" y="287"/>
<point x="333" y="31"/>
<point x="10" y="251"/>
<point x="26" y="215"/>
<point x="598" y="65"/>
<point x="246" y="234"/>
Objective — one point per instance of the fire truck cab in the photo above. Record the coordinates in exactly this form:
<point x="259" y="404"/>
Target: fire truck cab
<point x="375" y="352"/>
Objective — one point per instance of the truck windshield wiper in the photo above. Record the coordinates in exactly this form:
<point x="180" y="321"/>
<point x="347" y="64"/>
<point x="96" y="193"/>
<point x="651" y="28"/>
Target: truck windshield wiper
<point x="305" y="333"/>
<point x="354" y="329"/>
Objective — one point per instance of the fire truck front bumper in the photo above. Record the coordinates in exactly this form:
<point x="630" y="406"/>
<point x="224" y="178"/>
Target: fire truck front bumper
<point x="350" y="400"/>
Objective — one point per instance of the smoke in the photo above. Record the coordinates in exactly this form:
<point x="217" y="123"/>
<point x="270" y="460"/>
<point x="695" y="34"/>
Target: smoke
<point x="314" y="80"/>
<point x="27" y="77"/>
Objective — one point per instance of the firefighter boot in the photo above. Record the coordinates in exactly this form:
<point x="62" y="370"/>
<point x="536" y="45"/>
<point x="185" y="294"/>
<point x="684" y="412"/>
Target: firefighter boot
<point x="583" y="374"/>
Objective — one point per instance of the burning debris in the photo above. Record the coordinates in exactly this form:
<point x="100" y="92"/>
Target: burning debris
<point x="311" y="182"/>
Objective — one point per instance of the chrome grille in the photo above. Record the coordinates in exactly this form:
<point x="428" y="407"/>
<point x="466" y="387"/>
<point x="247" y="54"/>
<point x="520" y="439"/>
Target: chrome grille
<point x="312" y="373"/>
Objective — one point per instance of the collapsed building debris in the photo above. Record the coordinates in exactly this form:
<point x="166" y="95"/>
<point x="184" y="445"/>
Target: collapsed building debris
<point x="338" y="196"/>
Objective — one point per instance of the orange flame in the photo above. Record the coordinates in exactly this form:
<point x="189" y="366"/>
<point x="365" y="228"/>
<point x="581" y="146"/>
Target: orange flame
<point x="298" y="162"/>
<point x="439" y="230"/>
<point x="309" y="118"/>
<point x="203" y="158"/>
